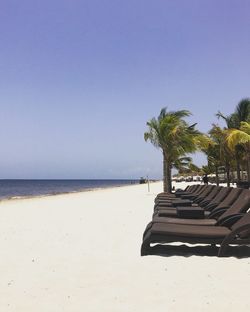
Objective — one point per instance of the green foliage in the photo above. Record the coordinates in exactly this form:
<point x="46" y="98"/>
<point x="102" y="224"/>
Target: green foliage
<point x="174" y="136"/>
<point x="239" y="136"/>
<point x="208" y="169"/>
<point x="235" y="141"/>
<point x="223" y="146"/>
<point x="241" y="113"/>
<point x="171" y="133"/>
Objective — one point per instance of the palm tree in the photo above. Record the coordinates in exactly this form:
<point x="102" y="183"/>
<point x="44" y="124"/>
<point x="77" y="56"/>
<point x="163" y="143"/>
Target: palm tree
<point x="213" y="160"/>
<point x="233" y="121"/>
<point x="241" y="113"/>
<point x="241" y="136"/>
<point x="170" y="133"/>
<point x="182" y="163"/>
<point x="221" y="150"/>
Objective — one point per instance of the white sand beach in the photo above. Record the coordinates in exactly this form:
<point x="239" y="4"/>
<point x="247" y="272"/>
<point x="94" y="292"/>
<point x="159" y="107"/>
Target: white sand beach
<point x="81" y="252"/>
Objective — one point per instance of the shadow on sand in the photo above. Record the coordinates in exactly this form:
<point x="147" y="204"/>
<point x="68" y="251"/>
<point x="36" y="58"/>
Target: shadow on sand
<point x="239" y="252"/>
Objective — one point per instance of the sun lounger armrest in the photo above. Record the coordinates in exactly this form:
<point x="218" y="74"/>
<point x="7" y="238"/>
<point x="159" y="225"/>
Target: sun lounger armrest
<point x="223" y="207"/>
<point x="180" y="194"/>
<point x="190" y="197"/>
<point x="181" y="202"/>
<point x="242" y="232"/>
<point x="199" y="199"/>
<point x="217" y="212"/>
<point x="211" y="206"/>
<point x="190" y="212"/>
<point x="205" y="201"/>
<point x="230" y="220"/>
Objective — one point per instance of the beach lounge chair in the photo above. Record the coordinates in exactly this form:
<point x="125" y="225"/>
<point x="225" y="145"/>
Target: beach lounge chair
<point x="216" y="203"/>
<point x="188" y="190"/>
<point x="160" y="233"/>
<point x="193" y="190"/>
<point x="225" y="216"/>
<point x="206" y="193"/>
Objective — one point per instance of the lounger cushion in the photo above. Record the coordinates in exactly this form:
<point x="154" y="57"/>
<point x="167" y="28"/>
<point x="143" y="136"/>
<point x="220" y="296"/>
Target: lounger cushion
<point x="168" y="212"/>
<point x="185" y="221"/>
<point x="193" y="231"/>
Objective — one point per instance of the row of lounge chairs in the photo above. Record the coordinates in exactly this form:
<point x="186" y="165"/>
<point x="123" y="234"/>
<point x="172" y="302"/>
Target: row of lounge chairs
<point x="201" y="214"/>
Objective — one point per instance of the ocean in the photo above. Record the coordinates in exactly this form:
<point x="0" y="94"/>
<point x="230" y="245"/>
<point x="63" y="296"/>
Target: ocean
<point x="10" y="189"/>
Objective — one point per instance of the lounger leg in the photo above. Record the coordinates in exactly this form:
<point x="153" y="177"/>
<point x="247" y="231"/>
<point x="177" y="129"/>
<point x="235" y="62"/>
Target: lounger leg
<point x="231" y="238"/>
<point x="222" y="250"/>
<point x="145" y="247"/>
<point x="224" y="246"/>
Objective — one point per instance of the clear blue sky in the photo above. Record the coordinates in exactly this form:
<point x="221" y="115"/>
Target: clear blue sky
<point x="80" y="78"/>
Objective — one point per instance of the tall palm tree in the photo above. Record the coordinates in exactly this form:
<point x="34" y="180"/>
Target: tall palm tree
<point x="221" y="150"/>
<point x="241" y="113"/>
<point x="241" y="136"/>
<point x="213" y="159"/>
<point x="233" y="121"/>
<point x="172" y="134"/>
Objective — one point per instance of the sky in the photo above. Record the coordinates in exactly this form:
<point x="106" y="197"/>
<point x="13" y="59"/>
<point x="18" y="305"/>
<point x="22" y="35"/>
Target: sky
<point x="79" y="79"/>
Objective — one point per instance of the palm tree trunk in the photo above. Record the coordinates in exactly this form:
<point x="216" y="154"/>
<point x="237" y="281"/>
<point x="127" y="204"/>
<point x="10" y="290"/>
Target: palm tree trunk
<point x="238" y="170"/>
<point x="248" y="170"/>
<point x="169" y="180"/>
<point x="166" y="175"/>
<point x="217" y="176"/>
<point x="248" y="163"/>
<point x="237" y="159"/>
<point x="228" y="174"/>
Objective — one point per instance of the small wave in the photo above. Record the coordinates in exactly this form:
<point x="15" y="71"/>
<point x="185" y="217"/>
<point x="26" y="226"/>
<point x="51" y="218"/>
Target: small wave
<point x="16" y="190"/>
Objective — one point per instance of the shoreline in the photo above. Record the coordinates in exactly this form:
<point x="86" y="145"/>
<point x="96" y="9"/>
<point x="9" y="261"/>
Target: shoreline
<point x="13" y="198"/>
<point x="180" y="185"/>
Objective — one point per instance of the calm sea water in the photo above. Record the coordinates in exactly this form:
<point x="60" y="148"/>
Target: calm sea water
<point x="26" y="188"/>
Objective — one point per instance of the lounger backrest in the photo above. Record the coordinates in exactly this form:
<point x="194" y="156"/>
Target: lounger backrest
<point x="206" y="191"/>
<point x="189" y="188"/>
<point x="199" y="190"/>
<point x="213" y="193"/>
<point x="196" y="188"/>
<point x="242" y="204"/>
<point x="224" y="191"/>
<point x="230" y="198"/>
<point x="243" y="221"/>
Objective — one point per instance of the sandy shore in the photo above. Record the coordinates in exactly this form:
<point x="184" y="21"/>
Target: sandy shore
<point x="81" y="252"/>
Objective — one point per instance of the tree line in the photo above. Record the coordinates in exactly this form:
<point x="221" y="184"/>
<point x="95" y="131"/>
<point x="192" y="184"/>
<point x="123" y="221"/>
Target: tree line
<point x="227" y="147"/>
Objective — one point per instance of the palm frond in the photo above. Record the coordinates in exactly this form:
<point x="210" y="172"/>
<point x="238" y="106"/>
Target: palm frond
<point x="243" y="110"/>
<point x="239" y="136"/>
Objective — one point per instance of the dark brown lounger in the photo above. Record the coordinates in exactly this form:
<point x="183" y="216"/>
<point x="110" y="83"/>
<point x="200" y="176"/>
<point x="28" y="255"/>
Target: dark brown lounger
<point x="207" y="203"/>
<point x="203" y="194"/>
<point x="225" y="216"/>
<point x="192" y="191"/>
<point x="189" y="190"/>
<point x="226" y="202"/>
<point x="160" y="233"/>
